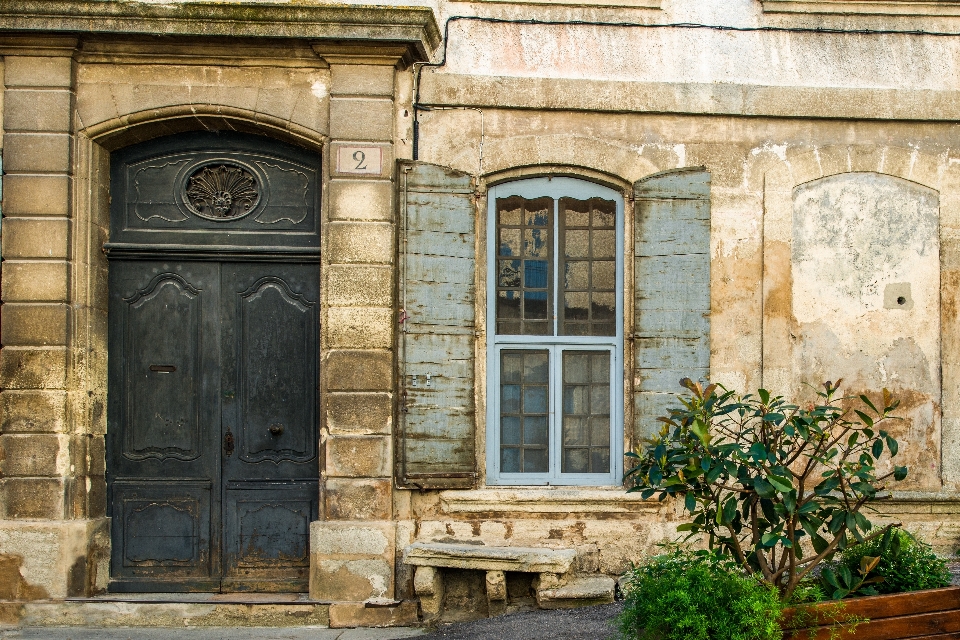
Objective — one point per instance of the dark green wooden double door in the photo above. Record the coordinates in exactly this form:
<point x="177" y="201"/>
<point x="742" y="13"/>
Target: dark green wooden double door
<point x="212" y="399"/>
<point x="215" y="366"/>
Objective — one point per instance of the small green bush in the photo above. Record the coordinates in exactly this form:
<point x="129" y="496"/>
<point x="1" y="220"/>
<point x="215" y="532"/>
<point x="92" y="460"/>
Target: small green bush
<point x="908" y="565"/>
<point x="697" y="595"/>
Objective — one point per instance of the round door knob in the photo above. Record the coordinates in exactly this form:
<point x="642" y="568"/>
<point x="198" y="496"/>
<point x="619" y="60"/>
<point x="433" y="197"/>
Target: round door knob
<point x="276" y="429"/>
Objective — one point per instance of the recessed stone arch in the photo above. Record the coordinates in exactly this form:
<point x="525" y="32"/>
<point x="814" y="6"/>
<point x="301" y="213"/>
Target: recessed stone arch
<point x="866" y="189"/>
<point x="90" y="195"/>
<point x="144" y="125"/>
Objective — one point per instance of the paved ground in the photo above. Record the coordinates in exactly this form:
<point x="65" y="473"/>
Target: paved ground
<point x="207" y="633"/>
<point x="588" y="623"/>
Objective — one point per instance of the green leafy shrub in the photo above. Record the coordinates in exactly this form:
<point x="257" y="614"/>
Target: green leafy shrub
<point x="687" y="595"/>
<point x="905" y="564"/>
<point x="778" y="487"/>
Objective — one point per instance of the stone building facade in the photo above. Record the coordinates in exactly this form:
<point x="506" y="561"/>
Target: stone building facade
<point x="527" y="222"/>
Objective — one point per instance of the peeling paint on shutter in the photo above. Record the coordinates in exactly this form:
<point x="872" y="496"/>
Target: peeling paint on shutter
<point x="437" y="421"/>
<point x="672" y="337"/>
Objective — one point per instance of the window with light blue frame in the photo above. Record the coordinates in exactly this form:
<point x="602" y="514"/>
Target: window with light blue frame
<point x="555" y="327"/>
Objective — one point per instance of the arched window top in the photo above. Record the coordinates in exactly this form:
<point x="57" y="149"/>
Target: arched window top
<point x="555" y="306"/>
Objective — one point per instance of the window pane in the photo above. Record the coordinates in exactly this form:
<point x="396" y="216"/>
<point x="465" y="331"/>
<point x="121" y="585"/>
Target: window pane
<point x="535" y="243"/>
<point x="509" y="242"/>
<point x="534" y="399"/>
<point x="604" y="213"/>
<point x="604" y="275"/>
<point x="509" y="210"/>
<point x="534" y="305"/>
<point x="536" y="367"/>
<point x="524" y="410"/>
<point x="508" y="273"/>
<point x="604" y="244"/>
<point x="511" y="368"/>
<point x="535" y="460"/>
<point x="588" y="254"/>
<point x="575" y="306"/>
<point x="576" y="461"/>
<point x="510" y="398"/>
<point x="510" y="460"/>
<point x="586" y="412"/>
<point x="535" y="430"/>
<point x="511" y="430"/>
<point x="524" y="283"/>
<point x="577" y="275"/>
<point x="576" y="213"/>
<point x="508" y="304"/>
<point x="576" y="432"/>
<point x="577" y="244"/>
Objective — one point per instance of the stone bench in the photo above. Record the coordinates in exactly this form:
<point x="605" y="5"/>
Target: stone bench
<point x="555" y="586"/>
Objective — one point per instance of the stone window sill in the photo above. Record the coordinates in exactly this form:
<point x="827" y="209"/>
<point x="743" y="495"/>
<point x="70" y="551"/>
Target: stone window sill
<point x="937" y="8"/>
<point x="546" y="500"/>
<point x="619" y="4"/>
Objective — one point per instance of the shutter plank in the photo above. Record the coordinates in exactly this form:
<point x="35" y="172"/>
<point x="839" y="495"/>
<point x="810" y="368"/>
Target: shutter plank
<point x="436" y="444"/>
<point x="672" y="296"/>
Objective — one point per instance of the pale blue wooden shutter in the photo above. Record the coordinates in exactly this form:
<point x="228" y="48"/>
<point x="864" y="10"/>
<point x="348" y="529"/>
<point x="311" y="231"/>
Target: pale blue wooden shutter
<point x="672" y="321"/>
<point x="436" y="439"/>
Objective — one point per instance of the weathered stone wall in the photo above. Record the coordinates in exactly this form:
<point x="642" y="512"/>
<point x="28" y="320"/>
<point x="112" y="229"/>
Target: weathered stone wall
<point x="835" y="192"/>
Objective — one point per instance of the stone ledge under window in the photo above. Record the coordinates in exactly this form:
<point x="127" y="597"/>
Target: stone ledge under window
<point x="546" y="500"/>
<point x="942" y="8"/>
<point x="619" y="4"/>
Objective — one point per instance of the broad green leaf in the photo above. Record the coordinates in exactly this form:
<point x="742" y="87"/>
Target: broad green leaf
<point x="729" y="510"/>
<point x="893" y="445"/>
<point x="867" y="402"/>
<point x="781" y="484"/>
<point x="830" y="576"/>
<point x="790" y="501"/>
<point x="763" y="488"/>
<point x="819" y="543"/>
<point x="714" y="473"/>
<point x="655" y="475"/>
<point x="757" y="451"/>
<point x="867" y="420"/>
<point x="877" y="448"/>
<point x="899" y="473"/>
<point x="690" y="502"/>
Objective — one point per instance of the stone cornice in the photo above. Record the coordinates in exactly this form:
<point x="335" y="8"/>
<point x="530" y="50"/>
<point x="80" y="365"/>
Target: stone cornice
<point x="865" y="7"/>
<point x="727" y="99"/>
<point x="414" y="27"/>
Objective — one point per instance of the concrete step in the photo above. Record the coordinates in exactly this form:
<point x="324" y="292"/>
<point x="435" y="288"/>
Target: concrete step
<point x="578" y="591"/>
<point x="205" y="610"/>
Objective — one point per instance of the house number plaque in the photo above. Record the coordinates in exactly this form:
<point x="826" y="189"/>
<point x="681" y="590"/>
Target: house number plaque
<point x="364" y="160"/>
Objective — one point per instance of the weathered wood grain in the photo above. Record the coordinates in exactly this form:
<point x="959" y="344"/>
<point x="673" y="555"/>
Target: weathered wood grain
<point x="437" y="423"/>
<point x="672" y="296"/>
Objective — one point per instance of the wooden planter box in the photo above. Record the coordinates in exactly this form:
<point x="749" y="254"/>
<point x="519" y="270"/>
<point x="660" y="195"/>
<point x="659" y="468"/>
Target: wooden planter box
<point x="923" y="615"/>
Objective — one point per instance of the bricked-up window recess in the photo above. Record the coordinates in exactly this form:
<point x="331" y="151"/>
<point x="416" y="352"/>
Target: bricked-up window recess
<point x="554" y="403"/>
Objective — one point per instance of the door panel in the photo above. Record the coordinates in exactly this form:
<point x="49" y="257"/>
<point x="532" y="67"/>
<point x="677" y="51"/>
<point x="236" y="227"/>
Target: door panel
<point x="163" y="425"/>
<point x="164" y="541"/>
<point x="270" y="330"/>
<point x="162" y="349"/>
<point x="267" y="547"/>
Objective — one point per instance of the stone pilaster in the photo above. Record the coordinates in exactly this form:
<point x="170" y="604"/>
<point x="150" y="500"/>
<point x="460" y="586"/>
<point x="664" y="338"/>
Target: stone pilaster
<point x="359" y="330"/>
<point x="51" y="467"/>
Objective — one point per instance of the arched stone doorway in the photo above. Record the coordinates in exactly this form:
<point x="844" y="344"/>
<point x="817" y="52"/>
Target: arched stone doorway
<point x="212" y="453"/>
